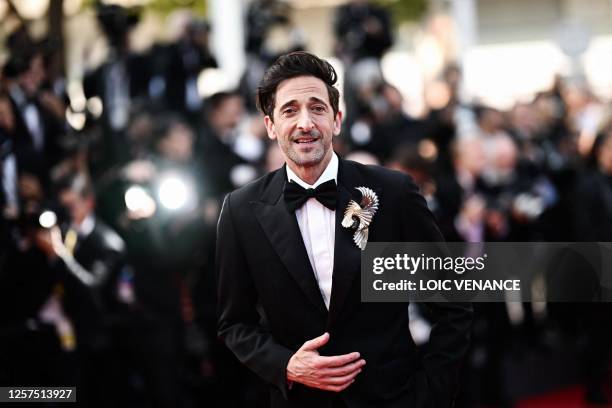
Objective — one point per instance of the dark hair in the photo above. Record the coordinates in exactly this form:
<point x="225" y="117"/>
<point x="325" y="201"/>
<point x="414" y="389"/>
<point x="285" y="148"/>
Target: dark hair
<point x="292" y="65"/>
<point x="78" y="183"/>
<point x="165" y="122"/>
<point x="213" y="102"/>
<point x="17" y="65"/>
<point x="116" y="22"/>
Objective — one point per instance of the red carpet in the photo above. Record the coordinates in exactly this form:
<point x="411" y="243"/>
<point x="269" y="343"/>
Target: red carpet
<point x="567" y="398"/>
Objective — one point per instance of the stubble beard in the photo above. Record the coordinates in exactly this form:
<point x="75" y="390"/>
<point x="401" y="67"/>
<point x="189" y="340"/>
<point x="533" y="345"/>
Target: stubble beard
<point x="306" y="159"/>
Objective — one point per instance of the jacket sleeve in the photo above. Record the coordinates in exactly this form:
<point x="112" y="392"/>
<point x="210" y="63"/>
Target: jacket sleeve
<point x="239" y="322"/>
<point x="103" y="270"/>
<point x="451" y="321"/>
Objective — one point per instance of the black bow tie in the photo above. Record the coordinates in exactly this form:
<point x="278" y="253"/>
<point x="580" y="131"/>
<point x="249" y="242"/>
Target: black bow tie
<point x="296" y="195"/>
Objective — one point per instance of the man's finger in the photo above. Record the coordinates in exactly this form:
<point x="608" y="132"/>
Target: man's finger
<point x="342" y="380"/>
<point x="337" y="388"/>
<point x="338" y="361"/>
<point x="343" y="370"/>
<point x="316" y="342"/>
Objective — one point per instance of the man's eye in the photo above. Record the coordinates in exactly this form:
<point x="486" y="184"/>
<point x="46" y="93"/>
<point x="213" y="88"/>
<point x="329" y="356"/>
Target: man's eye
<point x="319" y="109"/>
<point x="289" y="111"/>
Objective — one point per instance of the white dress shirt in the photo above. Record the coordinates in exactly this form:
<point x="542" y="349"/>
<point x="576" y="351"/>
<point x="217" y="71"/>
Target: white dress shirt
<point x="317" y="225"/>
<point x="8" y="172"/>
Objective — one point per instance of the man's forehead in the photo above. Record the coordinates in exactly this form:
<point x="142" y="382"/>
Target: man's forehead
<point x="67" y="195"/>
<point x="303" y="87"/>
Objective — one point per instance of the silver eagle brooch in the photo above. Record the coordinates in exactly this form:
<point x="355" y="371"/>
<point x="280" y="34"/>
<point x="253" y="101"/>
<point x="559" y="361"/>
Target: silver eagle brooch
<point x="359" y="216"/>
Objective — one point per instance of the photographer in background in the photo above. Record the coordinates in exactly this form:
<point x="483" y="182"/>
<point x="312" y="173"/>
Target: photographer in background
<point x="119" y="81"/>
<point x="363" y="34"/>
<point x="30" y="349"/>
<point x="97" y="291"/>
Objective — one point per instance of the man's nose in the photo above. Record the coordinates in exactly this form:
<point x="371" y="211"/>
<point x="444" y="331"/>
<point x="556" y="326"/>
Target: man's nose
<point x="305" y="121"/>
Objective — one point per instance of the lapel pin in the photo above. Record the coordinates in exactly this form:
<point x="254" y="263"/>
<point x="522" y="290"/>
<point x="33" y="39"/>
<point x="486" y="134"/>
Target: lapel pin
<point x="359" y="216"/>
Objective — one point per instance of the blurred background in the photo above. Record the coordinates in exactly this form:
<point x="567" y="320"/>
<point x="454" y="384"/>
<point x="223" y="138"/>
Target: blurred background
<point x="124" y="123"/>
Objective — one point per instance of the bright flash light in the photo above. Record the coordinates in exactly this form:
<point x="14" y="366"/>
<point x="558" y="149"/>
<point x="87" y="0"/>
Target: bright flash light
<point x="75" y="119"/>
<point x="173" y="193"/>
<point x="47" y="219"/>
<point x="139" y="203"/>
<point x="211" y="81"/>
<point x="94" y="105"/>
<point x="135" y="198"/>
<point x="31" y="9"/>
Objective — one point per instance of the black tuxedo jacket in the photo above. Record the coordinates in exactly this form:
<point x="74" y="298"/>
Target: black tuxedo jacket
<point x="93" y="306"/>
<point x="270" y="303"/>
<point x="29" y="160"/>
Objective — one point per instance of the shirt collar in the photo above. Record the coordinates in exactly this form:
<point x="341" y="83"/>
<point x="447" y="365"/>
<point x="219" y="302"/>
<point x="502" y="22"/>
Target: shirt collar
<point x="87" y="226"/>
<point x="330" y="173"/>
<point x="17" y="94"/>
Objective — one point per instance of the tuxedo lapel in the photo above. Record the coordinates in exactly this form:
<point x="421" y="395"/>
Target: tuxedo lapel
<point x="281" y="227"/>
<point x="347" y="256"/>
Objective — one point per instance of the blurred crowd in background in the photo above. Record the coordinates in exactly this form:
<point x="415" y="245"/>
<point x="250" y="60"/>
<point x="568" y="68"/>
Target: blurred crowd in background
<point x="109" y="212"/>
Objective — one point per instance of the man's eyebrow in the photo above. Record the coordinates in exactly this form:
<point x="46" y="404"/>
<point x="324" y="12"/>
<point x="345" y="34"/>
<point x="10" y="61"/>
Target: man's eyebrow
<point x="311" y="99"/>
<point x="315" y="99"/>
<point x="286" y="104"/>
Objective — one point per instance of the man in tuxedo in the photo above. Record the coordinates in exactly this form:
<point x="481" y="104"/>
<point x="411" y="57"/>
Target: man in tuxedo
<point x="36" y="126"/>
<point x="288" y="272"/>
<point x="96" y="295"/>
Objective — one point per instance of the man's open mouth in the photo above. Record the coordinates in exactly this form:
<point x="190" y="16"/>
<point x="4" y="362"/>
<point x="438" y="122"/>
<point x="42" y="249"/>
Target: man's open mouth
<point x="305" y="140"/>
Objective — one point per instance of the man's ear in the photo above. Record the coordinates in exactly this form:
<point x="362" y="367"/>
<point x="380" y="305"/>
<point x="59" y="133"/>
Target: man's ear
<point x="270" y="127"/>
<point x="337" y="123"/>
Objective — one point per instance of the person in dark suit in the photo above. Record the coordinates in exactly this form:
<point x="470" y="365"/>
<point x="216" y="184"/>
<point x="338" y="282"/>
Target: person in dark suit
<point x="37" y="123"/>
<point x="95" y="294"/>
<point x="185" y="60"/>
<point x="119" y="83"/>
<point x="216" y="145"/>
<point x="93" y="253"/>
<point x="288" y="286"/>
<point x="592" y="221"/>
